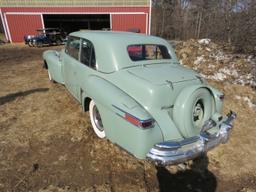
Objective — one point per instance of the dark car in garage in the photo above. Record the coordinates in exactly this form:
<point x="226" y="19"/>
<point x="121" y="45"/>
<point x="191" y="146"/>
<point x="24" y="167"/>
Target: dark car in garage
<point x="47" y="36"/>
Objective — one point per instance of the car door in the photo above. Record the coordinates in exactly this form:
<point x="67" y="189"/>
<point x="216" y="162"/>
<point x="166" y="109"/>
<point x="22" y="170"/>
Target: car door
<point x="87" y="65"/>
<point x="71" y="59"/>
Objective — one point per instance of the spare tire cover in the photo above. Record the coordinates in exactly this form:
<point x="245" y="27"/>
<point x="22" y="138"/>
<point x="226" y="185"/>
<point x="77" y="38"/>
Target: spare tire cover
<point x="191" y="109"/>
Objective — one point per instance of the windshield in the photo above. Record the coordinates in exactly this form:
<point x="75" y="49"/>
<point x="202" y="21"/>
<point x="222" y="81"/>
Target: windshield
<point x="142" y="52"/>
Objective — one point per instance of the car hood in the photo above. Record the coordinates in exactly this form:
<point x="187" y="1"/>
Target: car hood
<point x="159" y="74"/>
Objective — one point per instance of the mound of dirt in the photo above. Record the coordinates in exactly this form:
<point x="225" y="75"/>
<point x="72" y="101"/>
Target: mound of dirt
<point x="217" y="62"/>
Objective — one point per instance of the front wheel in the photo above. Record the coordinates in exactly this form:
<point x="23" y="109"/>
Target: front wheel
<point x="30" y="44"/>
<point x="96" y="120"/>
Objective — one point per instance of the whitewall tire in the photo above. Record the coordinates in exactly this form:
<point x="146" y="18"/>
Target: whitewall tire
<point x="96" y="120"/>
<point x="49" y="75"/>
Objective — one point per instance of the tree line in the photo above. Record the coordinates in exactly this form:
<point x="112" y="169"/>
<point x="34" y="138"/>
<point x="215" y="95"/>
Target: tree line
<point x="231" y="21"/>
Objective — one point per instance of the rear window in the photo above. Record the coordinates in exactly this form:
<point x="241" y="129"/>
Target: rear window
<point x="148" y="52"/>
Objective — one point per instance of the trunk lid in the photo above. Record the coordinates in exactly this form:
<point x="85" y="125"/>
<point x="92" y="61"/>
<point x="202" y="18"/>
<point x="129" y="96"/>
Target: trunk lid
<point x="159" y="74"/>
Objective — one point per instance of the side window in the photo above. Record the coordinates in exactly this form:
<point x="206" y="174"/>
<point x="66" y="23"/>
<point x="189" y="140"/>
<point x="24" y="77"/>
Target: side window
<point x="72" y="47"/>
<point x="88" y="54"/>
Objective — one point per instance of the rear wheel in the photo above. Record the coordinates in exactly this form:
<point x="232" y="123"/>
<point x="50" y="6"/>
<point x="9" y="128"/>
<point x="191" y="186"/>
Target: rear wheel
<point x="96" y="120"/>
<point x="39" y="44"/>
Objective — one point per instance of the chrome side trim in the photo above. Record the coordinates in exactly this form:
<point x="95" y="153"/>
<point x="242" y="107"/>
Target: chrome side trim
<point x="141" y="120"/>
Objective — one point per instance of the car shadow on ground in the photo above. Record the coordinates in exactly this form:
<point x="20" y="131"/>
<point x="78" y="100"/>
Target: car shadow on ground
<point x="198" y="178"/>
<point x="10" y="97"/>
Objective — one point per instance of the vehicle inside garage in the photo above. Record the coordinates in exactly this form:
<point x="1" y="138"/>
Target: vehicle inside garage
<point x="76" y="22"/>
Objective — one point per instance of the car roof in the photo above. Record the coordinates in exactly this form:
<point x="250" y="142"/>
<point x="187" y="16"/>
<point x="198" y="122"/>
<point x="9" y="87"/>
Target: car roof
<point x="111" y="47"/>
<point x="116" y="36"/>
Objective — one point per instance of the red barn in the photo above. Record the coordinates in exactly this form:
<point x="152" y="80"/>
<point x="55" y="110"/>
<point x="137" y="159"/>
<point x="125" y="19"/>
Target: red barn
<point x="24" y="17"/>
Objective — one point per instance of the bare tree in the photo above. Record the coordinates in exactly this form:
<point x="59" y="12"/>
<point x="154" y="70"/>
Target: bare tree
<point x="232" y="21"/>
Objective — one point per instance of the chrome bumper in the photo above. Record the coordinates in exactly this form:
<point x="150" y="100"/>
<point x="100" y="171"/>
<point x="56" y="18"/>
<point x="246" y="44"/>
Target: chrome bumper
<point x="171" y="153"/>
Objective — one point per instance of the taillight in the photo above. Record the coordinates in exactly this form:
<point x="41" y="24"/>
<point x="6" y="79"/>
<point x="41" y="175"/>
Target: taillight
<point x="222" y="97"/>
<point x="137" y="122"/>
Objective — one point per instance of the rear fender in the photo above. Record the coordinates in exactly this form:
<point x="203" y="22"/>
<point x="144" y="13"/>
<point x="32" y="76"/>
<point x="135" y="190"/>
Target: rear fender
<point x="113" y="98"/>
<point x="218" y="102"/>
<point x="112" y="103"/>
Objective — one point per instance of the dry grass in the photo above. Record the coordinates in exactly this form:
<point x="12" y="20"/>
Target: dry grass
<point x="2" y="37"/>
<point x="47" y="143"/>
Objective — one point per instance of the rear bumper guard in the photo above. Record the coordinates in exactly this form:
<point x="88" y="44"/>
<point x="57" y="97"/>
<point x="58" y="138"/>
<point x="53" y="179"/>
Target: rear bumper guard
<point x="171" y="152"/>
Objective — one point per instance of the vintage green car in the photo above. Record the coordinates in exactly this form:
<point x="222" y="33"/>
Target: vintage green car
<point x="139" y="96"/>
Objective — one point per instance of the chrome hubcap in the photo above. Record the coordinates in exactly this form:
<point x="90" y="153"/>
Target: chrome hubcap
<point x="97" y="119"/>
<point x="198" y="114"/>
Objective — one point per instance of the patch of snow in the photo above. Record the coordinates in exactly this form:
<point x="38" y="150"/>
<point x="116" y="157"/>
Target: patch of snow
<point x="211" y="66"/>
<point x="199" y="60"/>
<point x="247" y="100"/>
<point x="246" y="80"/>
<point x="219" y="56"/>
<point x="208" y="49"/>
<point x="217" y="76"/>
<point x="237" y="97"/>
<point x="204" y="41"/>
<point x="223" y="74"/>
<point x="251" y="59"/>
<point x="230" y="72"/>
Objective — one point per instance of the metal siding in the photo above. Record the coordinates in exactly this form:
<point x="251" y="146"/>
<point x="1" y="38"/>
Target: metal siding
<point x="75" y="9"/>
<point x="123" y="22"/>
<point x="72" y="3"/>
<point x="20" y="25"/>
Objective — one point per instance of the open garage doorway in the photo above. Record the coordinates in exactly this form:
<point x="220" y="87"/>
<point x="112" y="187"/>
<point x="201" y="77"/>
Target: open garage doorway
<point x="75" y="22"/>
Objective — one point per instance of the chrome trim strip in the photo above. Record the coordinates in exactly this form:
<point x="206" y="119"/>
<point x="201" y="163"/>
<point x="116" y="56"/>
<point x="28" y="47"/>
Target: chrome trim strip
<point x="141" y="120"/>
<point x="167" y="107"/>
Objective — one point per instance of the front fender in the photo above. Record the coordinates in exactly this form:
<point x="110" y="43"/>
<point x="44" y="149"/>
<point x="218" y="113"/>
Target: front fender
<point x="54" y="65"/>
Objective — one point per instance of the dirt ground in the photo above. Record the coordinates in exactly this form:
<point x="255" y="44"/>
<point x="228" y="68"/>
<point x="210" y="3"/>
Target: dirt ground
<point x="47" y="143"/>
